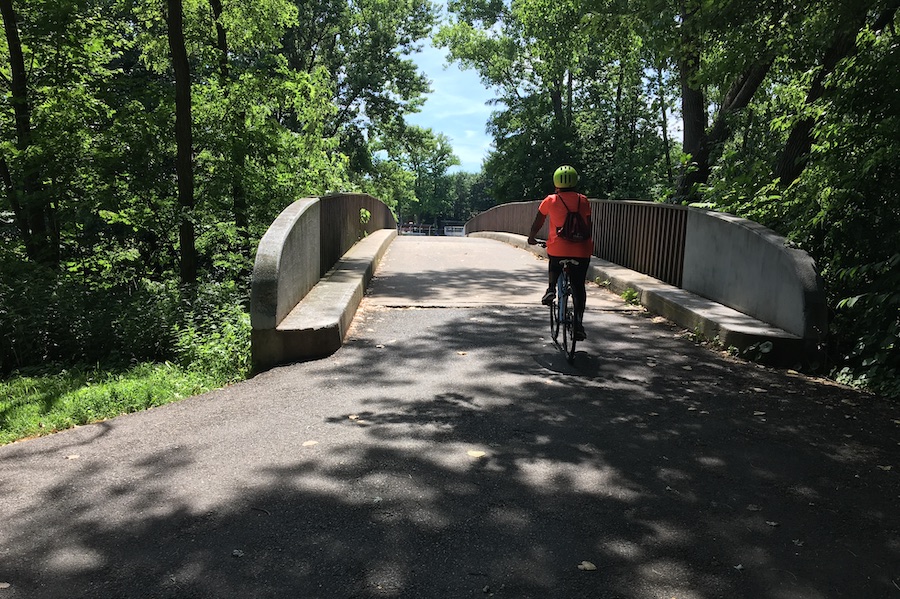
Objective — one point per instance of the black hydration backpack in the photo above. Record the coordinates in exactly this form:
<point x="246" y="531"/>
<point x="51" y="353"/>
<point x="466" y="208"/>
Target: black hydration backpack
<point x="574" y="228"/>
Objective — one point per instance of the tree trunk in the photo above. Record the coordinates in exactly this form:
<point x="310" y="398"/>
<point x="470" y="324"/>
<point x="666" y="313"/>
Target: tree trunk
<point x="27" y="198"/>
<point x="617" y="126"/>
<point x="693" y="112"/>
<point x="184" y="142"/>
<point x="556" y="100"/>
<point x="221" y="41"/>
<point x="238" y="153"/>
<point x="699" y="142"/>
<point x="795" y="154"/>
<point x="617" y="130"/>
<point x="13" y="198"/>
<point x="738" y="97"/>
<point x="693" y="103"/>
<point x="665" y="126"/>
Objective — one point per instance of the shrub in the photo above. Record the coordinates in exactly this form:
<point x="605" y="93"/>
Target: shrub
<point x="213" y="334"/>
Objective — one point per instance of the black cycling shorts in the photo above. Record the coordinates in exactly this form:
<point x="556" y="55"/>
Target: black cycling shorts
<point x="577" y="272"/>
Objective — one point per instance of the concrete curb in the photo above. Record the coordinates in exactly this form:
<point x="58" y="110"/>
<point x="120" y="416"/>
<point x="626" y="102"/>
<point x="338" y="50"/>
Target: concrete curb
<point x="688" y="310"/>
<point x="316" y="327"/>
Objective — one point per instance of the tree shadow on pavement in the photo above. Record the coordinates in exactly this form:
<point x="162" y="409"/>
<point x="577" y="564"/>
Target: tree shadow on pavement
<point x="456" y="455"/>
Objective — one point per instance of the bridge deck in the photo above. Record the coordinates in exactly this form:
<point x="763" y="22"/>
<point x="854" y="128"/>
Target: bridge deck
<point x="479" y="271"/>
<point x="457" y="272"/>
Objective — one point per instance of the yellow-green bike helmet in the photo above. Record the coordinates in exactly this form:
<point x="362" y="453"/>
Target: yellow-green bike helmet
<point x="565" y="177"/>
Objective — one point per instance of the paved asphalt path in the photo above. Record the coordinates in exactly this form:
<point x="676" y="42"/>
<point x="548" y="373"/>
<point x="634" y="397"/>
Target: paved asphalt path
<point x="448" y="450"/>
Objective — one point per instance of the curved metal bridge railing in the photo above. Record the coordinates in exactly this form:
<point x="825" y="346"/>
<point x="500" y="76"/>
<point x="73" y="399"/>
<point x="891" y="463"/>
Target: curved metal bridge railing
<point x="730" y="260"/>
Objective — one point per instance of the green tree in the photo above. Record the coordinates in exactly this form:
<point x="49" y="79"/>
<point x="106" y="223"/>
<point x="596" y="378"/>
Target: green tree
<point x="426" y="156"/>
<point x="843" y="44"/>
<point x="365" y="47"/>
<point x="184" y="161"/>
<point x="843" y="208"/>
<point x="572" y="88"/>
<point x="54" y="56"/>
<point x="526" y="51"/>
<point x="33" y="213"/>
<point x="468" y="195"/>
<point x="788" y="119"/>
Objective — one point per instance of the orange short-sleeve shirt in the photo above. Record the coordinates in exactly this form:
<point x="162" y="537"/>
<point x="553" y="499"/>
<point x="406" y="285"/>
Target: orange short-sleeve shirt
<point x="555" y="207"/>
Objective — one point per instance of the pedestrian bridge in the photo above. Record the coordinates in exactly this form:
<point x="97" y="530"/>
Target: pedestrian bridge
<point x="712" y="273"/>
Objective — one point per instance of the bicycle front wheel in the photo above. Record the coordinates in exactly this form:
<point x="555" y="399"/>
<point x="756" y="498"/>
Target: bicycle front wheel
<point x="554" y="321"/>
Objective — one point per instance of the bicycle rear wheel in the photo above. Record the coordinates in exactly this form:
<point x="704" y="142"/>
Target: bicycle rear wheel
<point x="568" y="323"/>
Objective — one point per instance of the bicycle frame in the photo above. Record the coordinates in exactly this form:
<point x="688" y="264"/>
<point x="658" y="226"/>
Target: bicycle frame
<point x="562" y="313"/>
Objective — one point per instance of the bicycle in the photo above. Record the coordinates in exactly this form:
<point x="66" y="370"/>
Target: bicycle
<point x="562" y="312"/>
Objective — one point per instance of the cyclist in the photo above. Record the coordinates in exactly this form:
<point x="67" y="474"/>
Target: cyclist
<point x="556" y="206"/>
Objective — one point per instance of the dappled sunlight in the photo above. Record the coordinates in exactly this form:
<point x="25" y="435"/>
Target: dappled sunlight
<point x="444" y="452"/>
<point x="598" y="481"/>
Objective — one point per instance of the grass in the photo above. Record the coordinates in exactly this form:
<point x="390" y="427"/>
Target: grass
<point x="36" y="404"/>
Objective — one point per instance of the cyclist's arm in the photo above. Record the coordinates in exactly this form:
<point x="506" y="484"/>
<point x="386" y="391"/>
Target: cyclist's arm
<point x="535" y="227"/>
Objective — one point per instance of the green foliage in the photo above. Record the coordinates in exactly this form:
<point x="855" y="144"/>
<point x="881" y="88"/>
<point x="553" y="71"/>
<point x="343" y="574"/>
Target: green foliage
<point x="469" y="195"/>
<point x="869" y="326"/>
<point x="843" y="208"/>
<point x="294" y="99"/>
<point x="149" y="346"/>
<point x="62" y="317"/>
<point x="213" y="336"/>
<point x="42" y="402"/>
<point x="631" y="296"/>
<point x="757" y="352"/>
<point x="572" y="87"/>
<point x="427" y="156"/>
<point x="271" y="106"/>
<point x="280" y="110"/>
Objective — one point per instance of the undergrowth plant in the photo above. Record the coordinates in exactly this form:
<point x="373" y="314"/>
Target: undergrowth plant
<point x="77" y="351"/>
<point x="631" y="296"/>
<point x="871" y="322"/>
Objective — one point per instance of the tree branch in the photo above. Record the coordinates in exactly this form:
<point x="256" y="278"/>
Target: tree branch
<point x="795" y="154"/>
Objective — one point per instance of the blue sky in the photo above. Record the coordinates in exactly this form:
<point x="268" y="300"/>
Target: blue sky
<point x="456" y="107"/>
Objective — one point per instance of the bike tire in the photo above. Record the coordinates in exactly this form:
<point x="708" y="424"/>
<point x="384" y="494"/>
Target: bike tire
<point x="567" y="310"/>
<point x="569" y="332"/>
<point x="554" y="321"/>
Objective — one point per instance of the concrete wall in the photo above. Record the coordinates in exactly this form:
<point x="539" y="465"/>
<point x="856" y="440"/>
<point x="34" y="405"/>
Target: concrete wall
<point x="317" y="325"/>
<point x="310" y="274"/>
<point x="743" y="265"/>
<point x="287" y="264"/>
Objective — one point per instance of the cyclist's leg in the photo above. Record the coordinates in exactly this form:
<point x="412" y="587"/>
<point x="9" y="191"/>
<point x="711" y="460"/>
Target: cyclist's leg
<point x="553" y="268"/>
<point x="577" y="275"/>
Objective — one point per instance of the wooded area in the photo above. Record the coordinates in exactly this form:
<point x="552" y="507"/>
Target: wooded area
<point x="789" y="116"/>
<point x="147" y="144"/>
